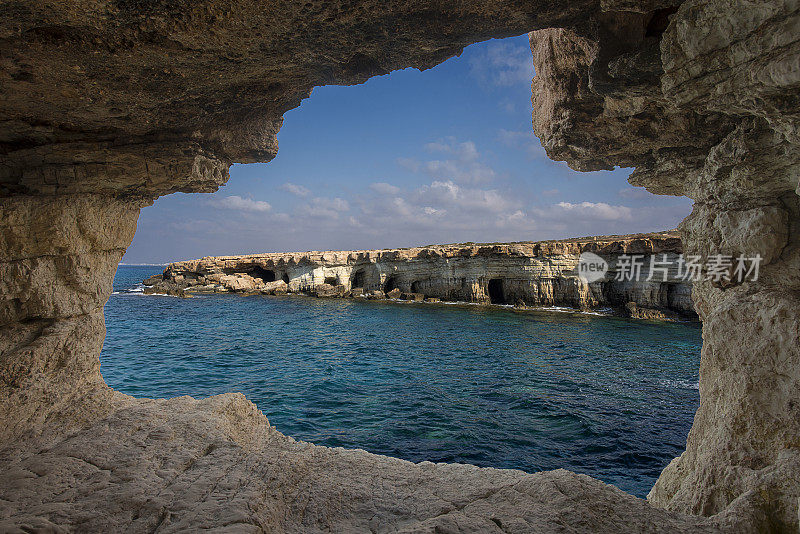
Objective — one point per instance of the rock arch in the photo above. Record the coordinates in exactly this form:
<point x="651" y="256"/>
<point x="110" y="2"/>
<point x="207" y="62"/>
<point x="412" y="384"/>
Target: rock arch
<point x="109" y="105"/>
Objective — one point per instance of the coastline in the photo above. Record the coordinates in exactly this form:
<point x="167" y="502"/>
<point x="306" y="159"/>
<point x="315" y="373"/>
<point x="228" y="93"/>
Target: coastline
<point x="521" y="276"/>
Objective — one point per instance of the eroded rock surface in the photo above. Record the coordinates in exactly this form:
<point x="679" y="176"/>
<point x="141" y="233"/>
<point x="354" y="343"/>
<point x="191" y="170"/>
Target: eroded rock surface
<point x="709" y="116"/>
<point x="182" y="464"/>
<point x="109" y="104"/>
<point x="522" y="274"/>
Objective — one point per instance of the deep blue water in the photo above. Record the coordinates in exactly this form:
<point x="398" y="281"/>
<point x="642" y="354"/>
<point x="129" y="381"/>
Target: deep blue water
<point x="606" y="396"/>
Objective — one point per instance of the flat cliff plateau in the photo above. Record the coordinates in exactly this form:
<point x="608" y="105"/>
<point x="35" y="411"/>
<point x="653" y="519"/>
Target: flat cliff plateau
<point x="520" y="274"/>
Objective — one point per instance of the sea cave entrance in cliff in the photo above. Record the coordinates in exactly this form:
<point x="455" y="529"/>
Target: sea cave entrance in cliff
<point x="390" y="284"/>
<point x="496" y="293"/>
<point x="358" y="279"/>
<point x="266" y="275"/>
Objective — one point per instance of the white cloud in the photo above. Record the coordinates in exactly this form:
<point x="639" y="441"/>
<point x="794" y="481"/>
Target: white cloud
<point x="337" y="204"/>
<point x="433" y="211"/>
<point x="235" y="202"/>
<point x="503" y="64"/>
<point x="462" y="167"/>
<point x="595" y="211"/>
<point x="508" y="105"/>
<point x="449" y="194"/>
<point x="297" y="190"/>
<point x="473" y="173"/>
<point x="384" y="188"/>
<point x="516" y="221"/>
<point x="409" y="163"/>
<point x="324" y="208"/>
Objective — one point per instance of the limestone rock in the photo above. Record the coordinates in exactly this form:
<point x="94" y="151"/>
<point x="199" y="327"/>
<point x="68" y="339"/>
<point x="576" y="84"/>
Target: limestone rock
<point x="108" y="105"/>
<point x="641" y="312"/>
<point x="394" y="294"/>
<point x="177" y="463"/>
<point x="153" y="280"/>
<point x="278" y="287"/>
<point x="165" y="288"/>
<point x="529" y="274"/>
<point x="329" y="291"/>
<point x="239" y="282"/>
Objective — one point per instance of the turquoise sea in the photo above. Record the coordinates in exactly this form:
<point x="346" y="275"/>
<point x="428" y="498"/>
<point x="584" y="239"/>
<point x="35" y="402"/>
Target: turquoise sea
<point x="606" y="396"/>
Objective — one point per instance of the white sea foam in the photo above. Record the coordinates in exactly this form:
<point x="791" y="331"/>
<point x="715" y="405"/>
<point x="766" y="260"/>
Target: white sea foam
<point x="679" y="384"/>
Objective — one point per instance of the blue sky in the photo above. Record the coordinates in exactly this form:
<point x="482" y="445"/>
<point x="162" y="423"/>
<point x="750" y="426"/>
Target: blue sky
<point x="410" y="158"/>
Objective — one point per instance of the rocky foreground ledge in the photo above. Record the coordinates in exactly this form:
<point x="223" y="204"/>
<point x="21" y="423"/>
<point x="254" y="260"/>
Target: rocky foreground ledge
<point x="528" y="274"/>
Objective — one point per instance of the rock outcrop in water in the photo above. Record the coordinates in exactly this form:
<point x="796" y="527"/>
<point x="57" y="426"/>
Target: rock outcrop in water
<point x="111" y="103"/>
<point x="521" y="274"/>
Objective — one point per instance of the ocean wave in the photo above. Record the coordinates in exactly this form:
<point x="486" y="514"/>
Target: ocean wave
<point x="142" y="294"/>
<point x="679" y="384"/>
<point x="137" y="289"/>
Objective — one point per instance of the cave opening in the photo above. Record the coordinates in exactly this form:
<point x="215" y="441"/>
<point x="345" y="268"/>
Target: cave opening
<point x="390" y="284"/>
<point x="358" y="279"/>
<point x="359" y="276"/>
<point x="267" y="275"/>
<point x="659" y="21"/>
<point x="655" y="27"/>
<point x="496" y="293"/>
<point x="285" y="278"/>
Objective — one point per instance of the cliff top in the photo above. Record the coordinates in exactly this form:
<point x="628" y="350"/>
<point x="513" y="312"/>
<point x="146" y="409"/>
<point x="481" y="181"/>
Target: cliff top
<point x="643" y="243"/>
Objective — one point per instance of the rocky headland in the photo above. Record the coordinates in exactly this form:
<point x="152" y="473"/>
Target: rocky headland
<point x="525" y="274"/>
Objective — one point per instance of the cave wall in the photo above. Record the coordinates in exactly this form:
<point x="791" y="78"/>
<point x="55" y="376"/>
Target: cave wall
<point x="109" y="104"/>
<point x="59" y="256"/>
<point x="711" y="113"/>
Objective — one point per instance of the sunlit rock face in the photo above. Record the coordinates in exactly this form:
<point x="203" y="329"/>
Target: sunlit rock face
<point x="109" y="104"/>
<point x="59" y="256"/>
<point x="521" y="274"/>
<point x="707" y="107"/>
